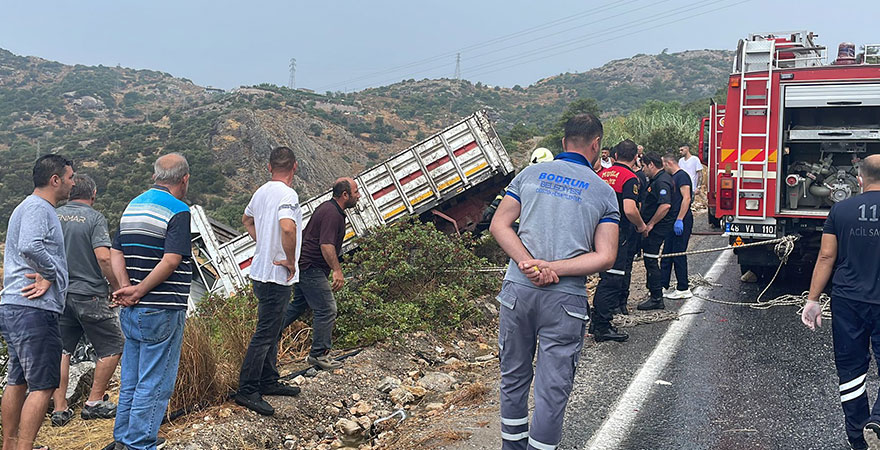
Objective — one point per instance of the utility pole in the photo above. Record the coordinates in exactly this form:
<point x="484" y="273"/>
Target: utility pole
<point x="458" y="67"/>
<point x="291" y="83"/>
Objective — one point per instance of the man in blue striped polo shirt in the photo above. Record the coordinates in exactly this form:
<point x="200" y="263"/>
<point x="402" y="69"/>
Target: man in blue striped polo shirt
<point x="152" y="259"/>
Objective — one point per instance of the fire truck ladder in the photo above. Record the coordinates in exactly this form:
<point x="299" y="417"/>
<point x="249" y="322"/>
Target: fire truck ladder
<point x="756" y="57"/>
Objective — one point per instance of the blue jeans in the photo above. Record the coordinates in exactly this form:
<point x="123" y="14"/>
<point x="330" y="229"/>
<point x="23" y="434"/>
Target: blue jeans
<point x="150" y="358"/>
<point x="313" y="291"/>
<point x="258" y="368"/>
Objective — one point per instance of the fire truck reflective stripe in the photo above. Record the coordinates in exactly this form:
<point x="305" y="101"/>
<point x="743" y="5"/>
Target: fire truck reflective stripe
<point x="616" y="272"/>
<point x="756" y="174"/>
<point x="751" y="154"/>
<point x="540" y="445"/>
<point x="726" y="154"/>
<point x="514" y="437"/>
<point x="851" y="384"/>
<point x="852" y="395"/>
<point x="515" y="422"/>
<point x="772" y="157"/>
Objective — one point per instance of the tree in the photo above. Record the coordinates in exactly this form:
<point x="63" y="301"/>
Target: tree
<point x="553" y="139"/>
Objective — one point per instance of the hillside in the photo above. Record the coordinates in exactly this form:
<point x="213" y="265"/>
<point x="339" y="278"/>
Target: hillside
<point x="113" y="121"/>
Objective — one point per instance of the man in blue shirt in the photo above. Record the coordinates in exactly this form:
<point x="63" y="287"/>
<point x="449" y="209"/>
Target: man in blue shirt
<point x="850" y="241"/>
<point x="677" y="240"/>
<point x="32" y="301"/>
<point x="152" y="261"/>
<point x="568" y="230"/>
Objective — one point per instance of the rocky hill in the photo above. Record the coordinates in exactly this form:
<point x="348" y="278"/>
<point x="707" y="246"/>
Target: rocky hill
<point x="114" y="121"/>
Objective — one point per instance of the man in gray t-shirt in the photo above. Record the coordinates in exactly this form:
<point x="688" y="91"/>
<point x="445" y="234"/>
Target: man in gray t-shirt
<point x="35" y="282"/>
<point x="87" y="308"/>
<point x="568" y="230"/>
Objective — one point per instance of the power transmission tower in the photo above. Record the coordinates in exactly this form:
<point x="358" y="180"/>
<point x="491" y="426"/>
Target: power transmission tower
<point x="458" y="67"/>
<point x="291" y="83"/>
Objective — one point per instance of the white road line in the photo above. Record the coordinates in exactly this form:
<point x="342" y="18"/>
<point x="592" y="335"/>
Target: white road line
<point x="617" y="425"/>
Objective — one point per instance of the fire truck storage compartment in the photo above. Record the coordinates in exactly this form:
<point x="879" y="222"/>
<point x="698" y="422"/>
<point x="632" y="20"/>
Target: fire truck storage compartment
<point x="827" y="130"/>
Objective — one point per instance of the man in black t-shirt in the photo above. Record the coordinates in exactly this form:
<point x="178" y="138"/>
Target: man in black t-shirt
<point x="677" y="241"/>
<point x="319" y="258"/>
<point x="850" y="241"/>
<point x="655" y="213"/>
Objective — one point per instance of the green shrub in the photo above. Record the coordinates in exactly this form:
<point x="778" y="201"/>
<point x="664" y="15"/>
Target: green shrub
<point x="409" y="277"/>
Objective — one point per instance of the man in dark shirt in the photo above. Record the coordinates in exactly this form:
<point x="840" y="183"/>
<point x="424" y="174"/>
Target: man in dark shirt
<point x="87" y="309"/>
<point x="321" y="247"/>
<point x="659" y="223"/>
<point x="677" y="241"/>
<point x="613" y="282"/>
<point x="850" y="241"/>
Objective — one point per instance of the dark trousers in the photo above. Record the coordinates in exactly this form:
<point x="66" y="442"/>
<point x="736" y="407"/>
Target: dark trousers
<point x="651" y="247"/>
<point x="260" y="361"/>
<point x="613" y="288"/>
<point x="855" y="328"/>
<point x="677" y="244"/>
<point x="313" y="292"/>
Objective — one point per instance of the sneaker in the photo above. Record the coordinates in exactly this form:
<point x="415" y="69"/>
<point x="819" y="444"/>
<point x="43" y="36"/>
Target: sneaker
<point x="61" y="418"/>
<point x="679" y="295"/>
<point x="255" y="403"/>
<point x="324" y="362"/>
<point x="668" y="291"/>
<point x="101" y="410"/>
<point x="651" y="303"/>
<point x="623" y="310"/>
<point x="872" y="433"/>
<point x="280" y="389"/>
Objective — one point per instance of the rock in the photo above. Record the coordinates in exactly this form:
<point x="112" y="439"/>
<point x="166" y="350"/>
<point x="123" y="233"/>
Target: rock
<point x="452" y="361"/>
<point x="311" y="373"/>
<point x="338" y="404"/>
<point x="365" y="422"/>
<point x="323" y="447"/>
<point x="413" y="374"/>
<point x="401" y="396"/>
<point x="434" y="406"/>
<point x="289" y="444"/>
<point x="299" y="379"/>
<point x="437" y="381"/>
<point x="749" y="277"/>
<point x="355" y="397"/>
<point x="485" y="357"/>
<point x="348" y="427"/>
<point x="81" y="375"/>
<point x="224" y="412"/>
<point x="360" y="408"/>
<point x="332" y="410"/>
<point x="339" y="372"/>
<point x="417" y="391"/>
<point x="388" y="384"/>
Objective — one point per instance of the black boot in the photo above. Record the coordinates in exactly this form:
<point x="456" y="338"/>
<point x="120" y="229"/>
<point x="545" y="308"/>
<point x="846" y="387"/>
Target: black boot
<point x="651" y="303"/>
<point x="623" y="310"/>
<point x="610" y="334"/>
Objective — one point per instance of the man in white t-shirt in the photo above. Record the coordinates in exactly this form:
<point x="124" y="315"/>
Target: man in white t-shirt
<point x="273" y="218"/>
<point x="692" y="165"/>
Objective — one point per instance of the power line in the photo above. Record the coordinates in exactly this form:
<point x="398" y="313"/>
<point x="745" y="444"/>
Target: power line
<point x="506" y="37"/>
<point x="291" y="83"/>
<point x="587" y="37"/>
<point x="613" y="38"/>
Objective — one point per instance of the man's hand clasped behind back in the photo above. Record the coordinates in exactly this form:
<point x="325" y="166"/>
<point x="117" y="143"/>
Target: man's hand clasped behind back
<point x="539" y="272"/>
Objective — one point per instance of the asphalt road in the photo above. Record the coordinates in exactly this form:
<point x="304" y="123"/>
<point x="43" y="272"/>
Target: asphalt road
<point x="739" y="378"/>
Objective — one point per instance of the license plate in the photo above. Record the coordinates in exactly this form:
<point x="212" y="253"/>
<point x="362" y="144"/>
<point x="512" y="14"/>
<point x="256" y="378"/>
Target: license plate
<point x="750" y="229"/>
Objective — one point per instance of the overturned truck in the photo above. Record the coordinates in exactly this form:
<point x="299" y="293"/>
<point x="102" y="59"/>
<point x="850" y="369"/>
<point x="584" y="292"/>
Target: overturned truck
<point x="448" y="178"/>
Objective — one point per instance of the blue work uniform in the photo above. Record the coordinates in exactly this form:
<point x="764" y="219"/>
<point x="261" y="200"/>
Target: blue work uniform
<point x="562" y="202"/>
<point x="855" y="303"/>
<point x="673" y="242"/>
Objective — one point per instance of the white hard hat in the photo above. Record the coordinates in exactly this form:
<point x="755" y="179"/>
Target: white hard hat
<point x="540" y="155"/>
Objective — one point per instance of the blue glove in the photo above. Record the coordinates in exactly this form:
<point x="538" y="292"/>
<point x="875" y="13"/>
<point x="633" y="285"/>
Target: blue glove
<point x="678" y="227"/>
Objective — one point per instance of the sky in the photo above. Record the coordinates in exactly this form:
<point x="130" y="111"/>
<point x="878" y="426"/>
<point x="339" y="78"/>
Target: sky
<point x="351" y="45"/>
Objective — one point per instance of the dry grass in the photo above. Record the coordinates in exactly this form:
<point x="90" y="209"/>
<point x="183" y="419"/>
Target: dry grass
<point x="433" y="440"/>
<point x="473" y="394"/>
<point x="77" y="435"/>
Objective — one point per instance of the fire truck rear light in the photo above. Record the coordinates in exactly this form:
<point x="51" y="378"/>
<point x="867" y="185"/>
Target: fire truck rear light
<point x="752" y="204"/>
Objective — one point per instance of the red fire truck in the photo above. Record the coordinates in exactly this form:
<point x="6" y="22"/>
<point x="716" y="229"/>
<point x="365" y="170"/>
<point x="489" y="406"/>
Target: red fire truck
<point x="788" y="142"/>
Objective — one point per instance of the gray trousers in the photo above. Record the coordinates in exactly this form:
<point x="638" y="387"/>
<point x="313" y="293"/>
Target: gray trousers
<point x="553" y="324"/>
<point x="314" y="292"/>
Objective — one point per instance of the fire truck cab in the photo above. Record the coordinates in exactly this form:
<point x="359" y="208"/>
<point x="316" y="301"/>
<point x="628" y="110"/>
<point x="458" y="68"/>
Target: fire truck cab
<point x="792" y="134"/>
